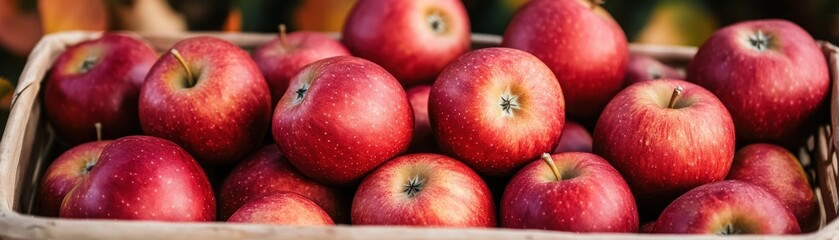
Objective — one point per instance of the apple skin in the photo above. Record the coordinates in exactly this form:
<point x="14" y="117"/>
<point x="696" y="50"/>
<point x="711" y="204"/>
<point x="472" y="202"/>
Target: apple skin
<point x="142" y="178"/>
<point x="726" y="206"/>
<point x="223" y="116"/>
<point x="75" y="99"/>
<point x="583" y="46"/>
<point x="282" y="208"/>
<point x="449" y="194"/>
<point x="644" y="68"/>
<point x="772" y="93"/>
<point x="647" y="227"/>
<point x="64" y="173"/>
<point x="266" y="170"/>
<point x="280" y="61"/>
<point x="575" y="138"/>
<point x="590" y="197"/>
<point x="472" y="124"/>
<point x="778" y="171"/>
<point x="423" y="139"/>
<point x="340" y="118"/>
<point x="415" y="51"/>
<point x="663" y="152"/>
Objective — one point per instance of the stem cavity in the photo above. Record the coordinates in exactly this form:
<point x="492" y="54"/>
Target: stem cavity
<point x="509" y="103"/>
<point x="729" y="229"/>
<point x="300" y="93"/>
<point x="760" y="41"/>
<point x="435" y="21"/>
<point x="190" y="79"/>
<point x="550" y="161"/>
<point x="88" y="64"/>
<point x="675" y="97"/>
<point x="414" y="185"/>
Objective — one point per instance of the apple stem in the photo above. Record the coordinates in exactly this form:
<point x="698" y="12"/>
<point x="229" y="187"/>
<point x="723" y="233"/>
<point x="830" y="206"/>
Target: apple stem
<point x="550" y="161"/>
<point x="283" y="37"/>
<point x="673" y="98"/>
<point x="189" y="77"/>
<point x="595" y="3"/>
<point x="98" y="126"/>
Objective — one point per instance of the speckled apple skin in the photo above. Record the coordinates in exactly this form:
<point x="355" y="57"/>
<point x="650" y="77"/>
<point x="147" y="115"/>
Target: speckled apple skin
<point x="75" y="101"/>
<point x="705" y="209"/>
<point x="279" y="62"/>
<point x="471" y="126"/>
<point x="771" y="93"/>
<point x="143" y="178"/>
<point x="396" y="35"/>
<point x="220" y="119"/>
<point x="776" y="169"/>
<point x="266" y="170"/>
<point x="663" y="152"/>
<point x="64" y="173"/>
<point x="596" y="199"/>
<point x="353" y="117"/>
<point x="453" y="194"/>
<point x="584" y="47"/>
<point x="282" y="208"/>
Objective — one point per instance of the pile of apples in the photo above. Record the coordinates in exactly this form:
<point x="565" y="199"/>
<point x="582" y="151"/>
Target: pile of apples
<point x="399" y="123"/>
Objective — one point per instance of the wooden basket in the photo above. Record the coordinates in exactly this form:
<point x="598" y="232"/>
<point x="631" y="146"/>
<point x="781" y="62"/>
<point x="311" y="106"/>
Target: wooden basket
<point x="27" y="145"/>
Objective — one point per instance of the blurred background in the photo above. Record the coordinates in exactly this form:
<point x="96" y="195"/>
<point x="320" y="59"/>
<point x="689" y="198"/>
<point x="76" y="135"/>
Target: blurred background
<point x="674" y="22"/>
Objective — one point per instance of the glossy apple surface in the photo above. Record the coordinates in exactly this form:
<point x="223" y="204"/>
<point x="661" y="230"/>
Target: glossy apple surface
<point x="143" y="178"/>
<point x="496" y="109"/>
<point x="423" y="139"/>
<point x="575" y="138"/>
<point x="97" y="81"/>
<point x="414" y="40"/>
<point x="282" y="208"/>
<point x="423" y="189"/>
<point x="64" y="173"/>
<point x="340" y="118"/>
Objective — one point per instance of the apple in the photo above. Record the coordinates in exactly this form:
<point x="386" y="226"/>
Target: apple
<point x="770" y="74"/>
<point x="64" y="173"/>
<point x="575" y="138"/>
<point x="414" y="40"/>
<point x="496" y="109"/>
<point x="727" y="208"/>
<point x="776" y="169"/>
<point x="665" y="137"/>
<point x="97" y="81"/>
<point x="281" y="58"/>
<point x="340" y="118"/>
<point x="142" y="178"/>
<point x="581" y="43"/>
<point x="647" y="227"/>
<point x="423" y="139"/>
<point x="423" y="189"/>
<point x="282" y="208"/>
<point x="643" y="68"/>
<point x="579" y="192"/>
<point x="266" y="170"/>
<point x="209" y="97"/>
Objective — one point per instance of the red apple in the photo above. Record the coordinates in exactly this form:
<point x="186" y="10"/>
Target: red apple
<point x="423" y="140"/>
<point x="579" y="192"/>
<point x="340" y="118"/>
<point x="281" y="208"/>
<point x="581" y="43"/>
<point x="727" y="208"/>
<point x="496" y="109"/>
<point x="208" y="96"/>
<point x="645" y="68"/>
<point x="423" y="189"/>
<point x="575" y="138"/>
<point x="647" y="227"/>
<point x="414" y="40"/>
<point x="97" y="81"/>
<point x="281" y="58"/>
<point x="64" y="173"/>
<point x="770" y="74"/>
<point x="142" y="178"/>
<point x="665" y="137"/>
<point x="266" y="170"/>
<point x="776" y="169"/>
